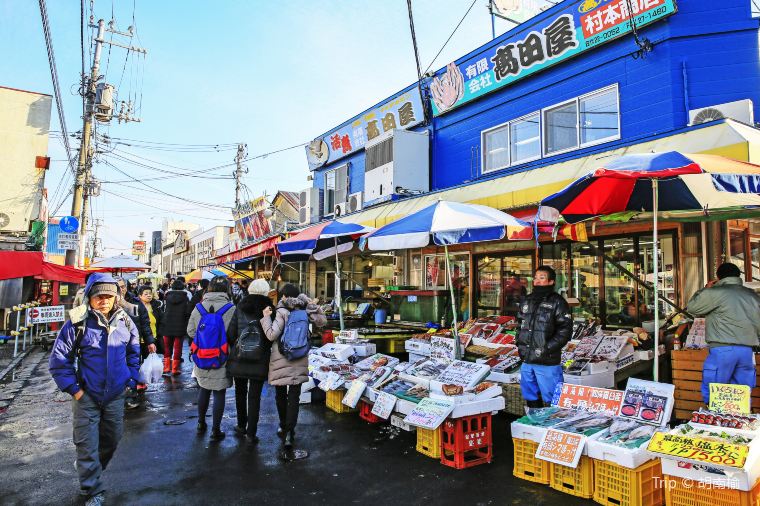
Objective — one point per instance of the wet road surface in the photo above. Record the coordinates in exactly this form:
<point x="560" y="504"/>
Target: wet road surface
<point x="161" y="460"/>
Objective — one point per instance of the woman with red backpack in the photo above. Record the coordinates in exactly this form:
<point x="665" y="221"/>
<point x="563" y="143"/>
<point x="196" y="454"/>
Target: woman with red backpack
<point x="287" y="375"/>
<point x="208" y="327"/>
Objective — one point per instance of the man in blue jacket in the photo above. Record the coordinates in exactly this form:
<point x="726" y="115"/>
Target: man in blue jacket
<point x="96" y="356"/>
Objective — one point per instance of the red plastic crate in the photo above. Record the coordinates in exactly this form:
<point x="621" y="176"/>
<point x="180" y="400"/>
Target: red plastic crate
<point x="365" y="413"/>
<point x="466" y="441"/>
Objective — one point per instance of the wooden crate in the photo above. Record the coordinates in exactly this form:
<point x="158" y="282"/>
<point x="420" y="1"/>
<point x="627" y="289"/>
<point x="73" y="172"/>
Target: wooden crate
<point x="687" y="378"/>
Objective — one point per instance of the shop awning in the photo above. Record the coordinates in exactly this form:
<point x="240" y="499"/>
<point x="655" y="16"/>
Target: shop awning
<point x="728" y="138"/>
<point x="21" y="264"/>
<point x="63" y="273"/>
<point x="249" y="251"/>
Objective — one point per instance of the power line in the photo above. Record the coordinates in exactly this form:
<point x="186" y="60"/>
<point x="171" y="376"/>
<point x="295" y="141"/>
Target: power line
<point x="155" y="207"/>
<point x="54" y="76"/>
<point x="450" y="36"/>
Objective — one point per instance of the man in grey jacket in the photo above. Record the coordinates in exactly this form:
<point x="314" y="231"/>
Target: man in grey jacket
<point x="732" y="313"/>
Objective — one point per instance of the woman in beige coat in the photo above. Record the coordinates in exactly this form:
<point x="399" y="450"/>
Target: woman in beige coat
<point x="288" y="376"/>
<point x="212" y="380"/>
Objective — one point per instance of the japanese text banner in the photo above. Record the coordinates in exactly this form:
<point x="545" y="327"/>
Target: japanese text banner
<point x="583" y="26"/>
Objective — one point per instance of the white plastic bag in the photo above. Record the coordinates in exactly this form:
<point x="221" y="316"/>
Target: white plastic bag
<point x="151" y="369"/>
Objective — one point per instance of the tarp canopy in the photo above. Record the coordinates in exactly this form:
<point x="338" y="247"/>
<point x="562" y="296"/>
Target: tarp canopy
<point x="21" y="264"/>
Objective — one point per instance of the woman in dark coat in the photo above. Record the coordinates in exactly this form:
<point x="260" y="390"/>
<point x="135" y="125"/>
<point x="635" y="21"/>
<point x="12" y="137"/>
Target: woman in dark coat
<point x="177" y="311"/>
<point x="249" y="375"/>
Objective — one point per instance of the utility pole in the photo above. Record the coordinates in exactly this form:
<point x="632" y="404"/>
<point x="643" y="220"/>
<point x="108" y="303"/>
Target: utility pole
<point x="94" y="252"/>
<point x="239" y="171"/>
<point x="84" y="183"/>
<point x="83" y="167"/>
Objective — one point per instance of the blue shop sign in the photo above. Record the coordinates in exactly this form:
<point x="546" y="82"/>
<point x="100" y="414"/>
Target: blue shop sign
<point x="401" y="112"/>
<point x="582" y="26"/>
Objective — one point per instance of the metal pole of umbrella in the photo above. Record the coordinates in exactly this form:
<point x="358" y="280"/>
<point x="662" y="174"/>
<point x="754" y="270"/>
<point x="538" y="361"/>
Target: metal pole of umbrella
<point x="454" y="331"/>
<point x="656" y="282"/>
<point x="337" y="286"/>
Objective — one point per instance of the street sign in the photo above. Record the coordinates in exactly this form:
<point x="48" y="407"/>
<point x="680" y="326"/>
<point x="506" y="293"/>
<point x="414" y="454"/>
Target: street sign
<point x="69" y="224"/>
<point x="68" y="241"/>
<point x="46" y="314"/>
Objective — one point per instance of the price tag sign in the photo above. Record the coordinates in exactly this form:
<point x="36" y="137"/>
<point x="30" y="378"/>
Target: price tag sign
<point x="430" y="413"/>
<point x="351" y="399"/>
<point x="563" y="448"/>
<point x="712" y="452"/>
<point x="590" y="398"/>
<point x="730" y="398"/>
<point x="331" y="382"/>
<point x="384" y="405"/>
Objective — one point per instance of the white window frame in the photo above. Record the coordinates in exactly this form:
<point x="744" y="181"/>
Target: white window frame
<point x="545" y="137"/>
<point x="540" y="136"/>
<point x="607" y="89"/>
<point x="483" y="135"/>
<point x="331" y="210"/>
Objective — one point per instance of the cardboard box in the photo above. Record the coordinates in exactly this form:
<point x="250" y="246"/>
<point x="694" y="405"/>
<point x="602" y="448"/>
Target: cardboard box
<point x="418" y="346"/>
<point x="364" y="349"/>
<point x="603" y="379"/>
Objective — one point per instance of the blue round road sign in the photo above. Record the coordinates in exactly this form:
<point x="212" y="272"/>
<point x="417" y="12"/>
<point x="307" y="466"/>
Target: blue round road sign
<point x="69" y="224"/>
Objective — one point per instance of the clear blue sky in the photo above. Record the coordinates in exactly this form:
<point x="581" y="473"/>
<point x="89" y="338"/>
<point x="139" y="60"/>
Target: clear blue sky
<point x="271" y="74"/>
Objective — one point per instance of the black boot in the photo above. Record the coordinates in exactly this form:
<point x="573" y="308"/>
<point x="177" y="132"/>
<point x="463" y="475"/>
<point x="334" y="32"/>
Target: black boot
<point x="290" y="440"/>
<point x="201" y="427"/>
<point x="216" y="435"/>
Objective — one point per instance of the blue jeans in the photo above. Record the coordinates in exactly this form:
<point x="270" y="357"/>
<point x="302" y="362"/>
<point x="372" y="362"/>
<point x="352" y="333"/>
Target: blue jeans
<point x="728" y="364"/>
<point x="540" y="379"/>
<point x="97" y="431"/>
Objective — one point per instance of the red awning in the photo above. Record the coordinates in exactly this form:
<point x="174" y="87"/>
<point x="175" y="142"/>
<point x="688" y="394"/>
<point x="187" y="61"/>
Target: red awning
<point x="64" y="273"/>
<point x="249" y="251"/>
<point x="20" y="264"/>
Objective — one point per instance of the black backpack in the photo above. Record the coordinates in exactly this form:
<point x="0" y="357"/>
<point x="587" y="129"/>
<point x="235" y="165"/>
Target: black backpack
<point x="248" y="347"/>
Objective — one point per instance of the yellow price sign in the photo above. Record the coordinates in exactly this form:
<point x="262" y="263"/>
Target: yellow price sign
<point x="726" y="398"/>
<point x="692" y="448"/>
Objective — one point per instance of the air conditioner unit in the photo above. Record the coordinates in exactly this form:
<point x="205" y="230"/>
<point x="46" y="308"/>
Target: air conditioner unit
<point x="355" y="202"/>
<point x="310" y="204"/>
<point x="741" y="110"/>
<point x="341" y="209"/>
<point x="396" y="162"/>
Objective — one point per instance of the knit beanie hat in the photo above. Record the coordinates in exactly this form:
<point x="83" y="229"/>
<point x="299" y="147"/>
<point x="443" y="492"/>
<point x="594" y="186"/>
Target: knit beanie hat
<point x="259" y="287"/>
<point x="103" y="289"/>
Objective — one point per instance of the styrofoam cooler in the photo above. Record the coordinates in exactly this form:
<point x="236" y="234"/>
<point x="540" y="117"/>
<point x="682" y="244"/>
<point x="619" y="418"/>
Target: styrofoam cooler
<point x="630" y="458"/>
<point x="603" y="379"/>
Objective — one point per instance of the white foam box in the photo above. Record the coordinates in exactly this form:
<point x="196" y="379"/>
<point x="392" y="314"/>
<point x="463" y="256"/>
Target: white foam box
<point x="413" y="357"/>
<point x="404" y="407"/>
<point x="458" y="399"/>
<point x="479" y="341"/>
<point x="536" y="434"/>
<point x="644" y="354"/>
<point x="364" y="349"/>
<point x="398" y="421"/>
<point x="603" y="379"/>
<point x="305" y="398"/>
<point x="477" y="407"/>
<point x="630" y="458"/>
<point x="502" y="377"/>
<point x="718" y="476"/>
<point x="417" y="346"/>
<point x="335" y="351"/>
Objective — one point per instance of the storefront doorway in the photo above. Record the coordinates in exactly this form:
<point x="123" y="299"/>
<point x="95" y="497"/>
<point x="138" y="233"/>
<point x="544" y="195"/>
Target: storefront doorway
<point x="502" y="280"/>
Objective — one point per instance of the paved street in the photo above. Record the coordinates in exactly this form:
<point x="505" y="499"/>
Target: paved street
<point x="161" y="463"/>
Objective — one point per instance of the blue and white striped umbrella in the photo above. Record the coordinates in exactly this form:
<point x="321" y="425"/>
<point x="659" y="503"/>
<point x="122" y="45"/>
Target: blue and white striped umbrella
<point x="446" y="223"/>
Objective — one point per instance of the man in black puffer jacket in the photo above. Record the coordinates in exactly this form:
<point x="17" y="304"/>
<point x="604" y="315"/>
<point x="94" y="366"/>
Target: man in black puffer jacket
<point x="249" y="374"/>
<point x="174" y="326"/>
<point x="545" y="328"/>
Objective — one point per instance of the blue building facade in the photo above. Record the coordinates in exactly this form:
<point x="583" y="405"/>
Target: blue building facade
<point x="518" y="118"/>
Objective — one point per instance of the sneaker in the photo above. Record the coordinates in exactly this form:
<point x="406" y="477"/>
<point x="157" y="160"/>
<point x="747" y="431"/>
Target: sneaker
<point x="132" y="404"/>
<point x="216" y="435"/>
<point x="96" y="500"/>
